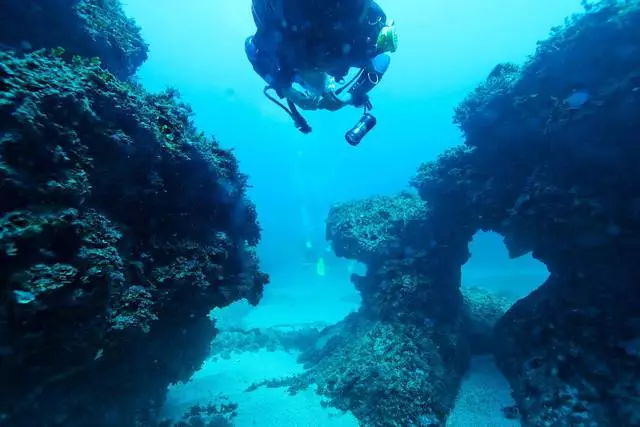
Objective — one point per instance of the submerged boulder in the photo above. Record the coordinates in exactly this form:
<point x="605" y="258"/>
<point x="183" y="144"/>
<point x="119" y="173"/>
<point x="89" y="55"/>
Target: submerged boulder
<point x="121" y="228"/>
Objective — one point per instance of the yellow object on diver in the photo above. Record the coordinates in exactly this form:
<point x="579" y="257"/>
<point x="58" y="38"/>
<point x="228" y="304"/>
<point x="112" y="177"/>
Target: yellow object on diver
<point x="387" y="38"/>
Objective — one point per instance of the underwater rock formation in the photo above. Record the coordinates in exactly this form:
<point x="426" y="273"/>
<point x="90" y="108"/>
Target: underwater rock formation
<point x="551" y="161"/>
<point x="387" y="373"/>
<point x="219" y="413"/>
<point x="121" y="228"/>
<point x="408" y="270"/>
<point x="234" y="341"/>
<point x="483" y="309"/>
<point x="400" y="358"/>
<point x="88" y="28"/>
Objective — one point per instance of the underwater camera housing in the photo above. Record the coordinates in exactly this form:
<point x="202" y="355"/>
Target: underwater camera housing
<point x="360" y="129"/>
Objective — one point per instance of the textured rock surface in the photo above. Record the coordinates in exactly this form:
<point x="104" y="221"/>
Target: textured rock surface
<point x="89" y="28"/>
<point x="400" y="358"/>
<point x="550" y="162"/>
<point x="570" y="349"/>
<point x="388" y="373"/>
<point x="121" y="228"/>
<point x="408" y="270"/>
<point x="484" y="309"/>
<point x="232" y="341"/>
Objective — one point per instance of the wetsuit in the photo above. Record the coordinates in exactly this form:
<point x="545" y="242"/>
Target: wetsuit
<point x="300" y="35"/>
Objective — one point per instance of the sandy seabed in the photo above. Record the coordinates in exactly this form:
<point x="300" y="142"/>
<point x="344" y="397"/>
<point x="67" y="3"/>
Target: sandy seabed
<point x="479" y="404"/>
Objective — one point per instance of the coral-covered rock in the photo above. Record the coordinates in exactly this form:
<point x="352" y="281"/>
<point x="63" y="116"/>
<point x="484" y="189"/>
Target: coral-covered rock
<point x="233" y="341"/>
<point x="410" y="275"/>
<point x="219" y="413"/>
<point x="483" y="309"/>
<point x="88" y="28"/>
<point x="566" y="183"/>
<point x="399" y="359"/>
<point x="386" y="373"/>
<point x="570" y="348"/>
<point x="375" y="229"/>
<point x="551" y="162"/>
<point x="121" y="228"/>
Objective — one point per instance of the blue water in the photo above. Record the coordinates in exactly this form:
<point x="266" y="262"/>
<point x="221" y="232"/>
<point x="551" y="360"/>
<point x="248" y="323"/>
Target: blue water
<point x="445" y="50"/>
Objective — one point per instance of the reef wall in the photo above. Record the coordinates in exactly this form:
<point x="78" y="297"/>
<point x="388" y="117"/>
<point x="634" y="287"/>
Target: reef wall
<point x="121" y="226"/>
<point x="550" y="161"/>
<point x="88" y="28"/>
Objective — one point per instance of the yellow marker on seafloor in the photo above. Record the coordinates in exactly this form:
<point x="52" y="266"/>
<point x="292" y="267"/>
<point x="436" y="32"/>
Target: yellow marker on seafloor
<point x="320" y="269"/>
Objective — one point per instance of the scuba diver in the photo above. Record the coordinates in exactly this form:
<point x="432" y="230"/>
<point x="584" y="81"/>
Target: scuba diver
<point x="314" y="44"/>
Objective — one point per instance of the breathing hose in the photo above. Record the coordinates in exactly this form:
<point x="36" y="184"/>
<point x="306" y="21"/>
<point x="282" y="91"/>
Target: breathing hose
<point x="292" y="111"/>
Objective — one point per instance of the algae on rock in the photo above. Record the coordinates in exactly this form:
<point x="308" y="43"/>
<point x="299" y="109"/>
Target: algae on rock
<point x="121" y="228"/>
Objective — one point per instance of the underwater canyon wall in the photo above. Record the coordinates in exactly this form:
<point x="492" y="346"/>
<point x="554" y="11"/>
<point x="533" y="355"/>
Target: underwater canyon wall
<point x="121" y="225"/>
<point x="550" y="161"/>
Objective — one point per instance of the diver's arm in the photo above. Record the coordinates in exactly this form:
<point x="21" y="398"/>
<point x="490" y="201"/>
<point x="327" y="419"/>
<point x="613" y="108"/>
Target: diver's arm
<point x="268" y="67"/>
<point x="370" y="77"/>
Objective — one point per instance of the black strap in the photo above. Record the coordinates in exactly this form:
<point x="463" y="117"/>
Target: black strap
<point x="350" y="82"/>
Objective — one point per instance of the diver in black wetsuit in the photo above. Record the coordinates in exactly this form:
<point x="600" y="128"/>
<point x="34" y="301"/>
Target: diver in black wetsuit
<point x="314" y="43"/>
